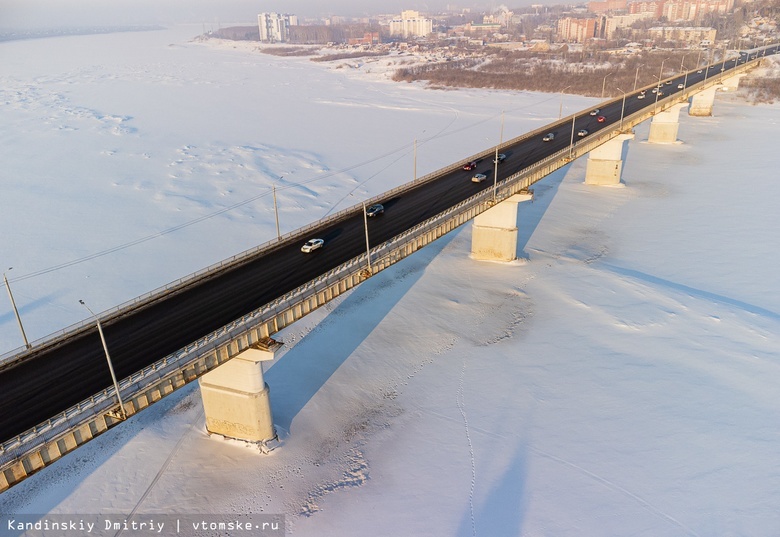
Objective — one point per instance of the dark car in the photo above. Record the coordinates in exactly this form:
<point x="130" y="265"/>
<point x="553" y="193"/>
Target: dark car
<point x="375" y="210"/>
<point x="501" y="158"/>
<point x="470" y="165"/>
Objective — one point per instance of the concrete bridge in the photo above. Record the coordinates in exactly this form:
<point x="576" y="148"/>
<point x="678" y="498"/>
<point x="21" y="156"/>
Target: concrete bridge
<point x="228" y="360"/>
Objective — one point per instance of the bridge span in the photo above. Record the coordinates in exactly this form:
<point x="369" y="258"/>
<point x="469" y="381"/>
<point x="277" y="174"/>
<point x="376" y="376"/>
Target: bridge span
<point x="172" y="336"/>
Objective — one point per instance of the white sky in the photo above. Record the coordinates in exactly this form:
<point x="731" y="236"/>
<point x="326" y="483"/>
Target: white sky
<point x="53" y="13"/>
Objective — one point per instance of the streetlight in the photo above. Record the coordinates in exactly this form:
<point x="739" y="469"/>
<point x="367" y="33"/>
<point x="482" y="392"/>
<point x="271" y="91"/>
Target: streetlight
<point x="660" y="78"/>
<point x="16" y="311"/>
<point x="415" y="159"/>
<point x="571" y="143"/>
<point x="495" y="161"/>
<point x="636" y="76"/>
<point x="108" y="359"/>
<point x="604" y="83"/>
<point x="560" y="108"/>
<point x="622" y="110"/>
<point x="368" y="248"/>
<point x="682" y="68"/>
<point x="276" y="211"/>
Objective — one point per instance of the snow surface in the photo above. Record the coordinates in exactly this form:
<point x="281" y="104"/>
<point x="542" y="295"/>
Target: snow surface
<point x="621" y="379"/>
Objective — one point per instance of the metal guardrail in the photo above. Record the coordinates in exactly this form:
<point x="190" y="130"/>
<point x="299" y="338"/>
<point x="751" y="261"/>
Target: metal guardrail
<point x="41" y="445"/>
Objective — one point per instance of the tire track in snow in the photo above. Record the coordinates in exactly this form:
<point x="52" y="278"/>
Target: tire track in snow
<point x="462" y="407"/>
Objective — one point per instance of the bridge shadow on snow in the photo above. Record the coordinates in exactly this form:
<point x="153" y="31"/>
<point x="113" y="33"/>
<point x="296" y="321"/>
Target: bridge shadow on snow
<point x="299" y="374"/>
<point x="530" y="214"/>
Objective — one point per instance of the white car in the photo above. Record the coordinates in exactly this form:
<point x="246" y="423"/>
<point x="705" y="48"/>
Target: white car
<point x="311" y="245"/>
<point x="478" y="178"/>
<point x="582" y="132"/>
<point x="549" y="137"/>
<point x="595" y="112"/>
<point x="680" y="86"/>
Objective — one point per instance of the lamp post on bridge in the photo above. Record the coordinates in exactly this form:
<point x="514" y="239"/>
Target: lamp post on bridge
<point x="622" y="110"/>
<point x="604" y="83"/>
<point x="108" y="359"/>
<point x="636" y="76"/>
<point x="16" y="311"/>
<point x="571" y="143"/>
<point x="368" y="248"/>
<point x="495" y="161"/>
<point x="560" y="108"/>
<point x="658" y="89"/>
<point x="682" y="68"/>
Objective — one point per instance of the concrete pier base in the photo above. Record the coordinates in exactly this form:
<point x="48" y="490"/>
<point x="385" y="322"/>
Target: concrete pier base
<point x="236" y="398"/>
<point x="494" y="233"/>
<point x="665" y="125"/>
<point x="701" y="103"/>
<point x="605" y="163"/>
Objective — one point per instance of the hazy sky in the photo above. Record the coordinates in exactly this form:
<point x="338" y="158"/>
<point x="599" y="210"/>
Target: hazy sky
<point x="52" y="13"/>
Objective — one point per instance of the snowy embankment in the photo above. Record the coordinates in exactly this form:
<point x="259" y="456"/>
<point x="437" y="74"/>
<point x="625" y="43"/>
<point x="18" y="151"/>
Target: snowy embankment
<point x="620" y="380"/>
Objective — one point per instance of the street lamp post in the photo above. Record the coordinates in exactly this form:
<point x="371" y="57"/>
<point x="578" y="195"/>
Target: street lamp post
<point x="16" y="311"/>
<point x="495" y="171"/>
<point x="276" y="213"/>
<point x="622" y="110"/>
<point x="636" y="76"/>
<point x="415" y="159"/>
<point x="571" y="143"/>
<point x="368" y="248"/>
<point x="660" y="78"/>
<point x="108" y="359"/>
<point x="560" y="108"/>
<point x="682" y="68"/>
<point x="604" y="83"/>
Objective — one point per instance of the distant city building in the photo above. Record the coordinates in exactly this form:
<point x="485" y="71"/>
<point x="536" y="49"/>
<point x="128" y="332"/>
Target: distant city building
<point x="692" y="35"/>
<point x="577" y="30"/>
<point x="411" y="24"/>
<point x="369" y="38"/>
<point x="274" y="27"/>
<point x="650" y="7"/>
<point x="619" y="22"/>
<point x="607" y="5"/>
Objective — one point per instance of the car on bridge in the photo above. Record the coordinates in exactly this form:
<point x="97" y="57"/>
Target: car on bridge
<point x="311" y="245"/>
<point x="640" y="96"/>
<point x="595" y="112"/>
<point x="582" y="133"/>
<point x="478" y="178"/>
<point x="601" y="119"/>
<point x="549" y="137"/>
<point x="375" y="210"/>
<point x="470" y="165"/>
<point x="501" y="158"/>
<point x="680" y="86"/>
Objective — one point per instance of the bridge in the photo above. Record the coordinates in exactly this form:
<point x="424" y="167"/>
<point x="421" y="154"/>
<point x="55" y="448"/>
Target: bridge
<point x="169" y="337"/>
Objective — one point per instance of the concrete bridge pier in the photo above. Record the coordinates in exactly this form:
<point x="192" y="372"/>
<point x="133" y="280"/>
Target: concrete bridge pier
<point x="605" y="163"/>
<point x="701" y="103"/>
<point x="236" y="398"/>
<point x="494" y="233"/>
<point x="665" y="125"/>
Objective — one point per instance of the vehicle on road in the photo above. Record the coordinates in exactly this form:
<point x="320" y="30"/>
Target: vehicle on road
<point x="595" y="112"/>
<point x="375" y="210"/>
<point x="640" y="96"/>
<point x="700" y="71"/>
<point x="549" y="137"/>
<point x="311" y="245"/>
<point x="601" y="119"/>
<point x="501" y="158"/>
<point x="680" y="86"/>
<point x="668" y="82"/>
<point x="582" y="132"/>
<point x="470" y="165"/>
<point x="478" y="178"/>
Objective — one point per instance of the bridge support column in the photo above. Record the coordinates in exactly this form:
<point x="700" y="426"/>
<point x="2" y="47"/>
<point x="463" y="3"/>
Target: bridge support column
<point x="236" y="398"/>
<point x="494" y="233"/>
<point x="701" y="103"/>
<point x="605" y="163"/>
<point x="664" y="126"/>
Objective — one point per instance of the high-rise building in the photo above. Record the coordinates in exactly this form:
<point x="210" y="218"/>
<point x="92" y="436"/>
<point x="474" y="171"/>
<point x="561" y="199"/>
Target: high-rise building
<point x="274" y="26"/>
<point x="577" y="30"/>
<point x="411" y="24"/>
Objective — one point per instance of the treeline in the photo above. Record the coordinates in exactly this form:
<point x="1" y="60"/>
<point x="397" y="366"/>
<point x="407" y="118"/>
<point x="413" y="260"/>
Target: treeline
<point x="288" y="51"/>
<point x="238" y="33"/>
<point x="586" y="74"/>
<point x="321" y="34"/>
<point x="347" y="55"/>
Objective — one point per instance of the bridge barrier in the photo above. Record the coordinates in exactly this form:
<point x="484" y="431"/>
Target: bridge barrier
<point x="34" y="449"/>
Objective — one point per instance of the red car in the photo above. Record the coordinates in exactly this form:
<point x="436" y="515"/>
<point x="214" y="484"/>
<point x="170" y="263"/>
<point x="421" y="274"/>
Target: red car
<point x="601" y="119"/>
<point x="470" y="166"/>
